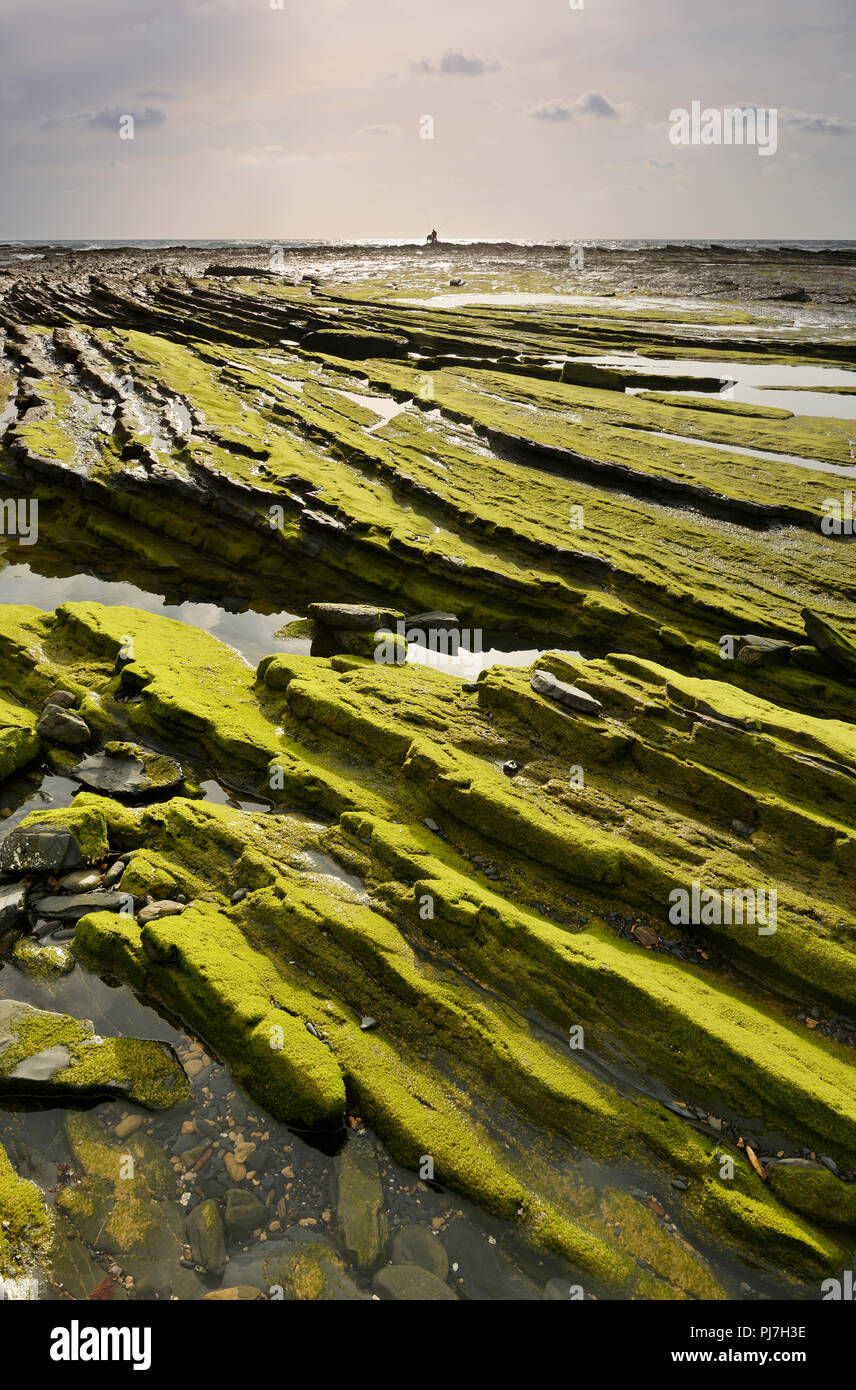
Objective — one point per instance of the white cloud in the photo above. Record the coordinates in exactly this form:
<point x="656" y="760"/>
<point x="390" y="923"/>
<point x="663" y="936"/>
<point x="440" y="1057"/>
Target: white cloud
<point x="457" y="64"/>
<point x="810" y="124"/>
<point x="589" y="104"/>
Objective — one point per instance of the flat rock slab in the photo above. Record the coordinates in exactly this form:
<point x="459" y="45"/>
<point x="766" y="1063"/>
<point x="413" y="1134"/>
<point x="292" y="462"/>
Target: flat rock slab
<point x="42" y="1066"/>
<point x="39" y="849"/>
<point x="415" y="1245"/>
<point x="304" y="1266"/>
<point x="49" y="1054"/>
<point x="411" y="1283"/>
<point x="563" y="694"/>
<point x="207" y="1238"/>
<point x="353" y="617"/>
<point x="360" y="1214"/>
<point x="71" y="909"/>
<point x="125" y="770"/>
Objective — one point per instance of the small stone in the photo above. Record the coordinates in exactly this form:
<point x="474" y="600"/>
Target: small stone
<point x="114" y="874"/>
<point x="237" y="1172"/>
<point x="543" y="683"/>
<point x="368" y="1023"/>
<point x="57" y="725"/>
<point x="128" y="1126"/>
<point x="154" y="911"/>
<point x="80" y="881"/>
<point x="63" y="698"/>
<point x="741" y="828"/>
<point x="646" y="936"/>
<point x="244" y="1213"/>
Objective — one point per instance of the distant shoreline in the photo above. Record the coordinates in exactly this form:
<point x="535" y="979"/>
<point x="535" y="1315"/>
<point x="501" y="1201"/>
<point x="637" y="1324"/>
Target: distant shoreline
<point x="604" y="244"/>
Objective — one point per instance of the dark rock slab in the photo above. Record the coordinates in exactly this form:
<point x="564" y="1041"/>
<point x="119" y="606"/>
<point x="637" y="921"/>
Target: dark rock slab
<point x="353" y="617"/>
<point x="40" y="849"/>
<point x="207" y="1238"/>
<point x="71" y="909"/>
<point x="62" y="726"/>
<point x="125" y="770"/>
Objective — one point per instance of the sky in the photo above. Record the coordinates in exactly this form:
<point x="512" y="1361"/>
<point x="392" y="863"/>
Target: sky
<point x="532" y="119"/>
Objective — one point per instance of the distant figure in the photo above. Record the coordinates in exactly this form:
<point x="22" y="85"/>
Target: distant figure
<point x="432" y="237"/>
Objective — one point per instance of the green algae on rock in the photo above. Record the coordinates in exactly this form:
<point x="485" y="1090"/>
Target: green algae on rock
<point x="396" y="457"/>
<point x="52" y="1054"/>
<point x="26" y="1223"/>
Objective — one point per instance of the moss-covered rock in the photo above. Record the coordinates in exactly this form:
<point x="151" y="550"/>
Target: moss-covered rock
<point x="814" y="1190"/>
<point x="52" y="1054"/>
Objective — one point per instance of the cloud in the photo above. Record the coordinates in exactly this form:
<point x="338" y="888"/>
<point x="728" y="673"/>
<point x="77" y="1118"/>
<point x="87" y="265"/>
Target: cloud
<point x="456" y="64"/>
<point x="380" y="130"/>
<point x="108" y="119"/>
<point x="661" y="164"/>
<point x="589" y="104"/>
<point x="808" y="124"/>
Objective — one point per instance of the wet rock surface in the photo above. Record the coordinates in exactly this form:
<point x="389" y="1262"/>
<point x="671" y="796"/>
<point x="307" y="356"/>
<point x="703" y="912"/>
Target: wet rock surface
<point x="125" y="770"/>
<point x="360" y="1203"/>
<point x="44" y="1053"/>
<point x="62" y="726"/>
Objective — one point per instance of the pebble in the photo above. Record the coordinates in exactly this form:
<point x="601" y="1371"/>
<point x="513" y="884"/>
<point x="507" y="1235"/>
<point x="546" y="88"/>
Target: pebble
<point x="368" y="1023"/>
<point x="80" y="881"/>
<point x="114" y="873"/>
<point x="129" y="1125"/>
<point x="237" y="1172"/>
